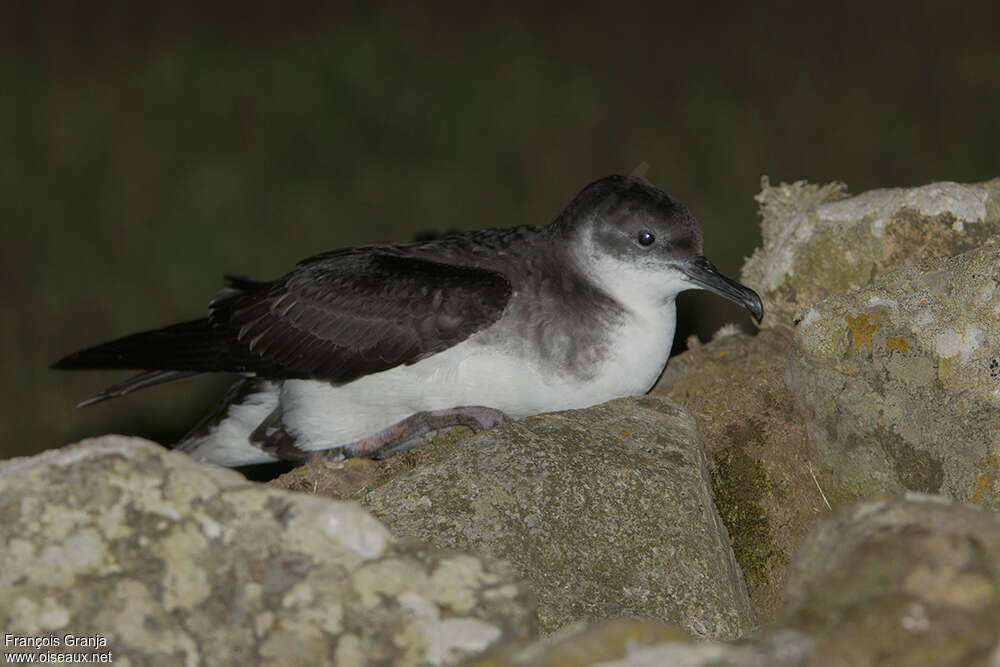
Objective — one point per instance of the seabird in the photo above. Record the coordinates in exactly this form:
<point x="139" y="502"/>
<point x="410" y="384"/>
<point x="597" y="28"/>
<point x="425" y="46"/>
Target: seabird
<point x="364" y="351"/>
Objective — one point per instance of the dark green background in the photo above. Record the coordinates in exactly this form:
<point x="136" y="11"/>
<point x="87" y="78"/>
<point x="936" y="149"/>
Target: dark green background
<point x="148" y="149"/>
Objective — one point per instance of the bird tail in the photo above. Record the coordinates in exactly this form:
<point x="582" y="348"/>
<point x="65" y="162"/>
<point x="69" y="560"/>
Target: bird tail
<point x="135" y="383"/>
<point x="167" y="354"/>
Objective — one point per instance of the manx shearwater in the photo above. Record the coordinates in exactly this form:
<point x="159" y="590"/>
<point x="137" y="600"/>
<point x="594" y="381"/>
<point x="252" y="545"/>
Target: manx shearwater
<point x="363" y="351"/>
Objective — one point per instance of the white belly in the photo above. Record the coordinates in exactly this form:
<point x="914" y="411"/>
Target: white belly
<point x="498" y="376"/>
<point x="322" y="416"/>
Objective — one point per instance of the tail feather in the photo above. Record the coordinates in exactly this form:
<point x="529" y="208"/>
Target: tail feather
<point x="180" y="350"/>
<point x="135" y="383"/>
<point x="171" y="353"/>
<point x="194" y="346"/>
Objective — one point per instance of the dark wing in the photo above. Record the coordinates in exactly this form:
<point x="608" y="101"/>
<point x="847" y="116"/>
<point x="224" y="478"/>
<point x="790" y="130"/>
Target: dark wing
<point x="355" y="313"/>
<point x="337" y="317"/>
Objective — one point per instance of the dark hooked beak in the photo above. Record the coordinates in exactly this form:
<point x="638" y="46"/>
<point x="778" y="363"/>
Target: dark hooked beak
<point x="703" y="274"/>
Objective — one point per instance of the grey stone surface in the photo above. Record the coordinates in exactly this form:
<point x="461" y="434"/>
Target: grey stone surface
<point x="787" y="649"/>
<point x="818" y="242"/>
<point x="638" y="643"/>
<point x="605" y="511"/>
<point x="899" y="382"/>
<point x="177" y="563"/>
<point x="583" y="643"/>
<point x="909" y="581"/>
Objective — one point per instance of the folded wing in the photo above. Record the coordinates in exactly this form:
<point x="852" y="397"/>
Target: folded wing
<point x="336" y="318"/>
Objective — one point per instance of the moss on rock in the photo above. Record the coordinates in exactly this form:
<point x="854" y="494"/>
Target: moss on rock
<point x="740" y="484"/>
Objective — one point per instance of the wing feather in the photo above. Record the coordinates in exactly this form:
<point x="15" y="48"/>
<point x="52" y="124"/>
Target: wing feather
<point x="337" y="316"/>
<point x="352" y="314"/>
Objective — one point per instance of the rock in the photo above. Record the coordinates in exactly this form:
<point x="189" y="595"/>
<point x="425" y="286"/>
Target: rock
<point x="605" y="511"/>
<point x="638" y="643"/>
<point x="817" y="242"/>
<point x="761" y="460"/>
<point x="909" y="581"/>
<point x="899" y="382"/>
<point x="173" y="562"/>
<point x="891" y="366"/>
<point x="352" y="479"/>
<point x="583" y="643"/>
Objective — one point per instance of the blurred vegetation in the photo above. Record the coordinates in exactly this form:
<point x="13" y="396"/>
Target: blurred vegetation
<point x="147" y="150"/>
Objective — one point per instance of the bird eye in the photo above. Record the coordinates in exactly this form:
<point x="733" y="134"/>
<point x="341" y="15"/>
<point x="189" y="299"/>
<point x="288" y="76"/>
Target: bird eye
<point x="645" y="237"/>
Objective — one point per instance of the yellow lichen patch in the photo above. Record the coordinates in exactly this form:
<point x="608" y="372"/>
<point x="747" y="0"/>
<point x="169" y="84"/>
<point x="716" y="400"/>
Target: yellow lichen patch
<point x="862" y="327"/>
<point x="897" y="344"/>
<point x="990" y="471"/>
<point x="982" y="486"/>
<point x="945" y="367"/>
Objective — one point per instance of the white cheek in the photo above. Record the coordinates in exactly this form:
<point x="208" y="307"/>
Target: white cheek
<point x="641" y="286"/>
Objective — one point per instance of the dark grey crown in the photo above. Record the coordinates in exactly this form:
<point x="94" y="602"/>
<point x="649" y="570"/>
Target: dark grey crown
<point x="616" y="210"/>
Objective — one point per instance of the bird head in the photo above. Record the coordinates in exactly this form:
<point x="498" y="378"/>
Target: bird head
<point x="642" y="245"/>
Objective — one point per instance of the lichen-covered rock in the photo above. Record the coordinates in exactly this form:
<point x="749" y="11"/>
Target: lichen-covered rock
<point x="605" y="511"/>
<point x="899" y="382"/>
<point x="760" y="458"/>
<point x="173" y="562"/>
<point x="817" y="242"/>
<point x="910" y="581"/>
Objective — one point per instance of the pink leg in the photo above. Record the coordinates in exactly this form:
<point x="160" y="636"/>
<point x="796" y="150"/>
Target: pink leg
<point x="410" y="432"/>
